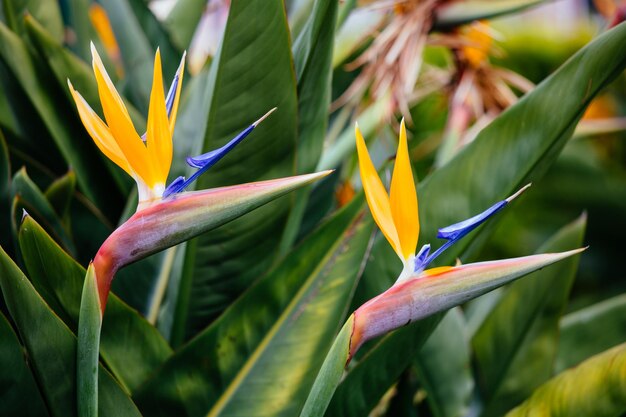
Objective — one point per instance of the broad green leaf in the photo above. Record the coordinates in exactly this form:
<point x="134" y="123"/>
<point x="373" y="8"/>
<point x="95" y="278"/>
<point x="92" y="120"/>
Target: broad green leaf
<point x="364" y="385"/>
<point x="312" y="50"/>
<point x="419" y="297"/>
<point x="595" y="388"/>
<point x="518" y="145"/>
<point x="443" y="367"/>
<point x="278" y="330"/>
<point x="30" y="198"/>
<point x="451" y="15"/>
<point x="68" y="133"/>
<point x="331" y="371"/>
<point x="591" y="330"/>
<point x="183" y="20"/>
<point x="137" y="53"/>
<point x="59" y="194"/>
<point x="158" y="36"/>
<point x="51" y="348"/>
<point x="78" y="20"/>
<point x="67" y="66"/>
<point x="46" y="11"/>
<point x="521" y="143"/>
<point x="5" y="195"/>
<point x="16" y="380"/>
<point x="215" y="272"/>
<point x="515" y="346"/>
<point x="87" y="349"/>
<point x="131" y="348"/>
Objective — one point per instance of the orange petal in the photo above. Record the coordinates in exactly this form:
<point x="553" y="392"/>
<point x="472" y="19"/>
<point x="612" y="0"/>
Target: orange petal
<point x="403" y="198"/>
<point x="158" y="137"/>
<point x="119" y="122"/>
<point x="376" y="195"/>
<point x="99" y="132"/>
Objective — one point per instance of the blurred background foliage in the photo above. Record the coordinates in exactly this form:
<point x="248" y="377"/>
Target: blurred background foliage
<point x="220" y="300"/>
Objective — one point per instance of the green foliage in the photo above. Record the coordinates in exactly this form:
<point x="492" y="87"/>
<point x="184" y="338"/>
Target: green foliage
<point x="254" y="317"/>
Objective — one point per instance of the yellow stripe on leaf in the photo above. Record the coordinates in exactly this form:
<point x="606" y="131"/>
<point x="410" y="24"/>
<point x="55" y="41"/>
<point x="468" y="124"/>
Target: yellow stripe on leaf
<point x="158" y="137"/>
<point x="403" y="198"/>
<point x="376" y="195"/>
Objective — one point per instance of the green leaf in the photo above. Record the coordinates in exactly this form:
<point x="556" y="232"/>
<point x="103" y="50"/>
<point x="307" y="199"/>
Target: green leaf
<point x="87" y="349"/>
<point x="183" y="21"/>
<point x="452" y="15"/>
<point x="66" y="66"/>
<point x="131" y="348"/>
<point x="519" y="144"/>
<point x="214" y="272"/>
<point x="68" y="134"/>
<point x="137" y="52"/>
<point x="590" y="331"/>
<point x="304" y="300"/>
<point x="515" y="346"/>
<point x="59" y="194"/>
<point x="364" y="385"/>
<point x="331" y="371"/>
<point x="16" y="380"/>
<point x="313" y="51"/>
<point x="418" y="297"/>
<point x="5" y="195"/>
<point x="51" y="348"/>
<point x="46" y="11"/>
<point x="443" y="367"/>
<point x="30" y="198"/>
<point x="595" y="388"/>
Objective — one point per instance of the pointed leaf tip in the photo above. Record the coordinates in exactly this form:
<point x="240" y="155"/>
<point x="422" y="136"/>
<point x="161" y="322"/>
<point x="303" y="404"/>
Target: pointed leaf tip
<point x="265" y="116"/>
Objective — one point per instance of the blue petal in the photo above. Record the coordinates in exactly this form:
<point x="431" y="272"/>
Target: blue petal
<point x="458" y="230"/>
<point x="174" y="185"/>
<point x="420" y="258"/>
<point x="205" y="161"/>
<point x="211" y="158"/>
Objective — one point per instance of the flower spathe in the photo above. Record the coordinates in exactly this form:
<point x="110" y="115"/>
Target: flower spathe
<point x="419" y="292"/>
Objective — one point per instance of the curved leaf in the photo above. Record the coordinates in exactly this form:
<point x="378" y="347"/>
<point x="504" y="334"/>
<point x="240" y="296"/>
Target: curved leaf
<point x="30" y="198"/>
<point x="214" y="272"/>
<point x="130" y="346"/>
<point x="455" y="14"/>
<point x="443" y="367"/>
<point x="518" y="145"/>
<point x="312" y="50"/>
<point x="278" y="330"/>
<point x="68" y="134"/>
<point x="16" y="380"/>
<point x="5" y="193"/>
<point x="515" y="346"/>
<point x="51" y="347"/>
<point x="591" y="330"/>
<point x="595" y="388"/>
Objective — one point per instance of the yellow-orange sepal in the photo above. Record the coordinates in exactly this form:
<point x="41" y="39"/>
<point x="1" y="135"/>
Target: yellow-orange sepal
<point x="395" y="215"/>
<point x="147" y="162"/>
